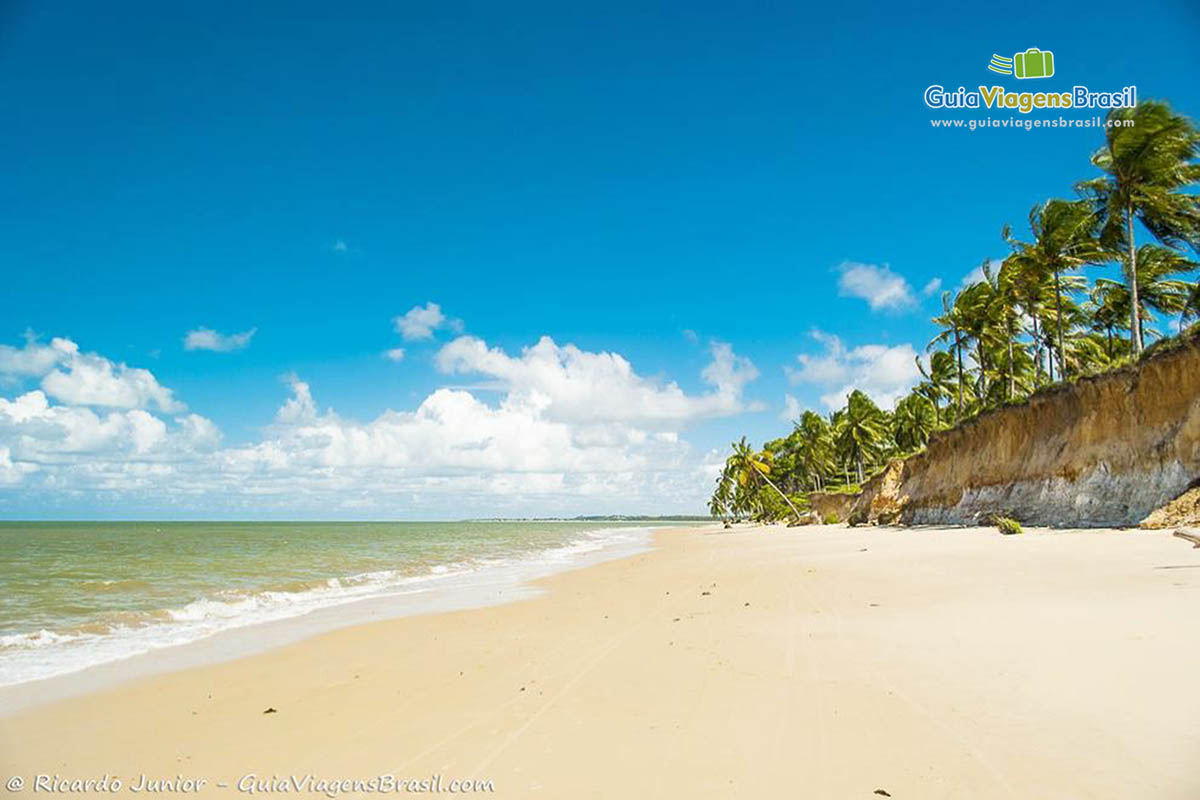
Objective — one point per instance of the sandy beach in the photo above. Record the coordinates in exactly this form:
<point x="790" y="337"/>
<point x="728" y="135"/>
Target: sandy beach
<point x="823" y="662"/>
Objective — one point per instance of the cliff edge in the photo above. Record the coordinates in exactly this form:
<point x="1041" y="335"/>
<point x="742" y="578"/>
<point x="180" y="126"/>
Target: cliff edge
<point x="1103" y="451"/>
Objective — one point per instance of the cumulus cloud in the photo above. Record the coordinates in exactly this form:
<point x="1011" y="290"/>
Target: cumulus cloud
<point x="878" y="285"/>
<point x="85" y="379"/>
<point x="572" y="431"/>
<point x="419" y="322"/>
<point x="90" y="379"/>
<point x="567" y="383"/>
<point x="792" y="409"/>
<point x="34" y="359"/>
<point x="886" y="373"/>
<point x="395" y="354"/>
<point x="46" y="436"/>
<point x="208" y="339"/>
<point x="300" y="407"/>
<point x="932" y="287"/>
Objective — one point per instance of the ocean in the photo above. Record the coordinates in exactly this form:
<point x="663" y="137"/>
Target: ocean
<point x="79" y="594"/>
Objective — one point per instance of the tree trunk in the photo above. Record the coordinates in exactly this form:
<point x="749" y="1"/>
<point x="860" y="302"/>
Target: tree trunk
<point x="1012" y="376"/>
<point x="958" y="357"/>
<point x="795" y="513"/>
<point x="1062" y="353"/>
<point x="981" y="357"/>
<point x="858" y="463"/>
<point x="1135" y="310"/>
<point x="1037" y="351"/>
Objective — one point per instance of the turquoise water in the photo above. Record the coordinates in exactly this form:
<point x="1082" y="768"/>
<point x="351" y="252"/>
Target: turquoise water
<point x="77" y="594"/>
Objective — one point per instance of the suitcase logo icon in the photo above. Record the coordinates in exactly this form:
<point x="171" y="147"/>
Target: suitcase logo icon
<point x="1033" y="63"/>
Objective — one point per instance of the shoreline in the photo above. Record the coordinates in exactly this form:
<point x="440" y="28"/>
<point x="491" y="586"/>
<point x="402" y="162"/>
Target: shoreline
<point x="821" y="661"/>
<point x="434" y="594"/>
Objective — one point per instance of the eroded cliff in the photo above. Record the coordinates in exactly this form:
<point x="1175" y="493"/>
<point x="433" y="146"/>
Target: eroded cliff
<point x="1103" y="451"/>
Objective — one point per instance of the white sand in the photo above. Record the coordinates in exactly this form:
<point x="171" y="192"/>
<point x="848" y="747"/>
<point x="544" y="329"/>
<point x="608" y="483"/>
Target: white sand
<point x="822" y="663"/>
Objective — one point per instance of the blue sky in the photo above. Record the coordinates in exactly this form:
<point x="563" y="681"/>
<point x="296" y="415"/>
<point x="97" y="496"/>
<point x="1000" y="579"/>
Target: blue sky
<point x="653" y="182"/>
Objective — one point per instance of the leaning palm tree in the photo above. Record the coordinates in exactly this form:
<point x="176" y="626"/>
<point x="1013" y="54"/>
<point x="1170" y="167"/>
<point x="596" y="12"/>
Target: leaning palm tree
<point x="1064" y="240"/>
<point x="720" y="505"/>
<point x="750" y="467"/>
<point x="1148" y="160"/>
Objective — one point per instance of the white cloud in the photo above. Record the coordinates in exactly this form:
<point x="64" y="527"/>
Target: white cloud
<point x="90" y="379"/>
<point x="572" y="432"/>
<point x="300" y="407"/>
<point x="85" y="379"/>
<point x="34" y="359"/>
<point x="46" y="437"/>
<point x="12" y="473"/>
<point x="976" y="275"/>
<point x="932" y="287"/>
<point x="419" y="322"/>
<point x="885" y="373"/>
<point x="878" y="285"/>
<point x="208" y="339"/>
<point x="395" y="354"/>
<point x="792" y="409"/>
<point x="570" y="384"/>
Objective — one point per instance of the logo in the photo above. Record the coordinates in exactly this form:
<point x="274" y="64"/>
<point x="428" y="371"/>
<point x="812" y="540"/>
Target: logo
<point x="1033" y="63"/>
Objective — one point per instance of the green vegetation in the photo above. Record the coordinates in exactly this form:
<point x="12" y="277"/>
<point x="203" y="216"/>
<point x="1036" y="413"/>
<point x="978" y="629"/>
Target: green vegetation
<point x="1007" y="525"/>
<point x="1031" y="322"/>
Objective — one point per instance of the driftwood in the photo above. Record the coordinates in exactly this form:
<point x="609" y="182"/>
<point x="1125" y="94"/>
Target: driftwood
<point x="1189" y="536"/>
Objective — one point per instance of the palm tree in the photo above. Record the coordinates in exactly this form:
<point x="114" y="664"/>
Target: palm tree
<point x="1003" y="313"/>
<point x="913" y="421"/>
<point x="721" y="503"/>
<point x="1156" y="289"/>
<point x="750" y="467"/>
<point x="814" y="450"/>
<point x="1147" y="160"/>
<point x="1034" y="293"/>
<point x="952" y="333"/>
<point x="974" y="303"/>
<point x="939" y="379"/>
<point x="1191" y="307"/>
<point x="1064" y="240"/>
<point x="1108" y="311"/>
<point x="860" y="431"/>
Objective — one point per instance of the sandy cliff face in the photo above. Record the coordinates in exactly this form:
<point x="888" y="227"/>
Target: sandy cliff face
<point x="831" y="504"/>
<point x="1103" y="451"/>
